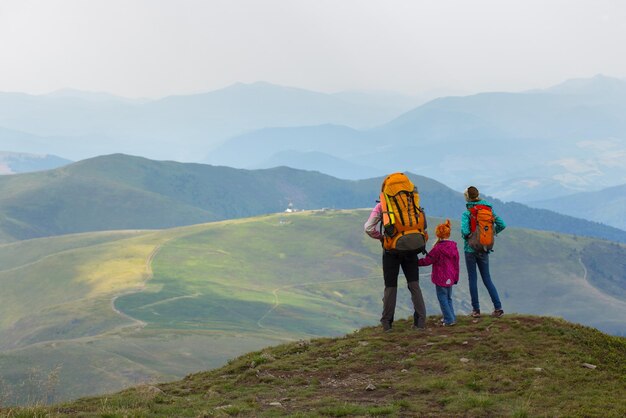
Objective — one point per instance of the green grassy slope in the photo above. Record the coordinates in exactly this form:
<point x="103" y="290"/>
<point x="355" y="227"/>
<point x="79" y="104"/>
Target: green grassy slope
<point x="224" y="276"/>
<point x="515" y="366"/>
<point x="222" y="289"/>
<point x="317" y="264"/>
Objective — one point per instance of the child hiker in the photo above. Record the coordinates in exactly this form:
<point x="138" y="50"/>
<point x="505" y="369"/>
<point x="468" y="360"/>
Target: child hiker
<point x="444" y="257"/>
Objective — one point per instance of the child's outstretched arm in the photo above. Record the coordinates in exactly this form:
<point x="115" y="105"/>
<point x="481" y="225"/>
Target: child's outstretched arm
<point x="430" y="258"/>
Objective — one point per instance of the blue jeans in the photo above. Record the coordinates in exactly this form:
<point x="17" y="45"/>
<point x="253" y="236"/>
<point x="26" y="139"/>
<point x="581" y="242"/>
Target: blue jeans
<point x="444" y="294"/>
<point x="482" y="261"/>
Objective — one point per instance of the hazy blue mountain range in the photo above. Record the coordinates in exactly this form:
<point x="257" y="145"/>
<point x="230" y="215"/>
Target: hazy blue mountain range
<point x="82" y="124"/>
<point x="12" y="141"/>
<point x="124" y="192"/>
<point x="395" y="102"/>
<point x="14" y="162"/>
<point x="519" y="146"/>
<point x="92" y="96"/>
<point x="607" y="206"/>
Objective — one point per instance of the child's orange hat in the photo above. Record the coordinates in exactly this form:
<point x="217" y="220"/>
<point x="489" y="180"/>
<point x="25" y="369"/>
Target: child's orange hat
<point x="443" y="230"/>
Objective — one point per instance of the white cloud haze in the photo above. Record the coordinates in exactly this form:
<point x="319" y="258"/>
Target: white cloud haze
<point x="155" y="48"/>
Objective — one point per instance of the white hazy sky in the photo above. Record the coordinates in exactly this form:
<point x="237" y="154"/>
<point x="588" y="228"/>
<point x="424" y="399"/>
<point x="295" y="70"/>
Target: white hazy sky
<point x="154" y="48"/>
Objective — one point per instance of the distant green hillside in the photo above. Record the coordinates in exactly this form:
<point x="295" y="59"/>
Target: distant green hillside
<point x="116" y="309"/>
<point x="123" y="192"/>
<point x="519" y="366"/>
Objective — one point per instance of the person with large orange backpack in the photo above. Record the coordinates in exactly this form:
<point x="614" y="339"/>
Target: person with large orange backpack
<point x="399" y="223"/>
<point x="479" y="226"/>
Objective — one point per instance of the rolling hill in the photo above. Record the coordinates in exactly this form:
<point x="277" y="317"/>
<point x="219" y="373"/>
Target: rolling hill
<point x="515" y="366"/>
<point x="102" y="311"/>
<point x="124" y="192"/>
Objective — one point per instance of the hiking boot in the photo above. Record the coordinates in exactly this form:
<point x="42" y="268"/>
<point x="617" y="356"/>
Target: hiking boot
<point x="386" y="326"/>
<point x="475" y="313"/>
<point x="497" y="313"/>
<point x="416" y="328"/>
<point x="445" y="324"/>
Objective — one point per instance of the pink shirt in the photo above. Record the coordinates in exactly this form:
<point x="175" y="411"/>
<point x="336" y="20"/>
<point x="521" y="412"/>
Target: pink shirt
<point x="372" y="224"/>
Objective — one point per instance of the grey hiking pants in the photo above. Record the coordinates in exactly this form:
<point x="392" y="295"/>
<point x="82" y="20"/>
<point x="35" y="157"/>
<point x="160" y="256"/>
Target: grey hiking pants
<point x="392" y="261"/>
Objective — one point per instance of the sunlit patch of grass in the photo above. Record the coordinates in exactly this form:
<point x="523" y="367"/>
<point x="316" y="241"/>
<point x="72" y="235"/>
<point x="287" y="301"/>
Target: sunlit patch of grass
<point x="119" y="268"/>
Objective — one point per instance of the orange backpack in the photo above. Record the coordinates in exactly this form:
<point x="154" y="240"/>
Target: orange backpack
<point x="481" y="237"/>
<point x="404" y="222"/>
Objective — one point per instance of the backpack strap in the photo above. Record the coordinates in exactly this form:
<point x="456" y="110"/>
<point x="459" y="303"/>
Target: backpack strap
<point x="407" y="205"/>
<point x="395" y="201"/>
<point x="473" y="211"/>
<point x="387" y="216"/>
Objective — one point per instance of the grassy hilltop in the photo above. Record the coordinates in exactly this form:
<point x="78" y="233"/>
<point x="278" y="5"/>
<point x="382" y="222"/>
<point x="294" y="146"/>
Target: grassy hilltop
<point x="109" y="310"/>
<point x="517" y="366"/>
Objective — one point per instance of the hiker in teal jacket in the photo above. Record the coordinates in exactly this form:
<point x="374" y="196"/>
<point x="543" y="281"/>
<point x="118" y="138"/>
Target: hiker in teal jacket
<point x="479" y="259"/>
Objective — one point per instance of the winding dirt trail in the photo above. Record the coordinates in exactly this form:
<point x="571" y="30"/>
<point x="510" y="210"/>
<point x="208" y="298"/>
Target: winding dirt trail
<point x="134" y="322"/>
<point x="594" y="290"/>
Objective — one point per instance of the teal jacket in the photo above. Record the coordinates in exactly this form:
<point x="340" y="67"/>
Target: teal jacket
<point x="465" y="223"/>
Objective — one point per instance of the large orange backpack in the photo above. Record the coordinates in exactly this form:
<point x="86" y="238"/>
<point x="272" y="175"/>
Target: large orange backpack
<point x="403" y="222"/>
<point x="482" y="232"/>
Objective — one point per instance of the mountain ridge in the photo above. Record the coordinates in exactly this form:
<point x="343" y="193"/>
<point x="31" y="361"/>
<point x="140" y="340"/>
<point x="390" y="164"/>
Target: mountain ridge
<point x="125" y="192"/>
